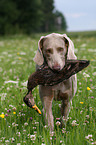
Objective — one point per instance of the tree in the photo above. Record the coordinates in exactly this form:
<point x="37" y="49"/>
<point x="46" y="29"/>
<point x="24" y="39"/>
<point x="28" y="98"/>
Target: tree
<point x="60" y="21"/>
<point x="27" y="16"/>
<point x="30" y="17"/>
<point x="8" y="16"/>
<point x="48" y="15"/>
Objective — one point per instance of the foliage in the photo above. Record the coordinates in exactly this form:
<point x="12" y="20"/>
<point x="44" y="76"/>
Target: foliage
<point x="8" y="16"/>
<point x="22" y="16"/>
<point x="63" y="24"/>
<point x="22" y="125"/>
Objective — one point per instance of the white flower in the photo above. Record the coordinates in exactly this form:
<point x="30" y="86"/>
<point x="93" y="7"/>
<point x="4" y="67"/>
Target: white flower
<point x="58" y="123"/>
<point x="14" y="124"/>
<point x="86" y="75"/>
<point x="23" y="104"/>
<point x="94" y="143"/>
<point x="22" y="53"/>
<point x="25" y="123"/>
<point x="45" y="126"/>
<point x="89" y="136"/>
<point x="14" y="62"/>
<point x="11" y="106"/>
<point x="83" y="45"/>
<point x="18" y="133"/>
<point x="87" y="116"/>
<point x="94" y="74"/>
<point x="61" y="141"/>
<point x="13" y="139"/>
<point x="33" y="137"/>
<point x="3" y="96"/>
<point x="6" y="140"/>
<point x="18" y="143"/>
<point x="1" y="69"/>
<point x="52" y="133"/>
<point x="24" y="83"/>
<point x="90" y="108"/>
<point x="74" y="123"/>
<point x="5" y="53"/>
<point x="92" y="50"/>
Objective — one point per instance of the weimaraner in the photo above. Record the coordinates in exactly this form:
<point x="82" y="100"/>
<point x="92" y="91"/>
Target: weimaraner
<point x="55" y="49"/>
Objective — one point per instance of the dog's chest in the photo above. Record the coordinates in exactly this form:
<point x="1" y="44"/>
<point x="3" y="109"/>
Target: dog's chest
<point x="61" y="89"/>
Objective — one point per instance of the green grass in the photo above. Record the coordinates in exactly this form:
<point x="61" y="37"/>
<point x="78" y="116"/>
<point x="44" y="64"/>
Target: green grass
<point x="27" y="127"/>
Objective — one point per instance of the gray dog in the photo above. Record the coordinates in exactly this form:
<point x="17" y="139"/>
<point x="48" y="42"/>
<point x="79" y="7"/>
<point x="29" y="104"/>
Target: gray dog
<point x="55" y="49"/>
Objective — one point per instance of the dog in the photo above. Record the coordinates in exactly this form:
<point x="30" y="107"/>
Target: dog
<point x="55" y="49"/>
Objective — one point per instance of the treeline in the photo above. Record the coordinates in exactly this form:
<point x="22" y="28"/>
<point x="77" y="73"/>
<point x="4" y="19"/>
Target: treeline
<point x="27" y="16"/>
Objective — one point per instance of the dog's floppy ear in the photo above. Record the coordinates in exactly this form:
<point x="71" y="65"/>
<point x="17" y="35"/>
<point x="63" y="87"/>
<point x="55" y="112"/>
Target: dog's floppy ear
<point x="70" y="46"/>
<point x="38" y="59"/>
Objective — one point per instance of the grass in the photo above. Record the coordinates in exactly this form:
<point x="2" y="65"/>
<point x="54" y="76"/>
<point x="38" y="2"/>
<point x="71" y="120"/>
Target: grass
<point x="20" y="125"/>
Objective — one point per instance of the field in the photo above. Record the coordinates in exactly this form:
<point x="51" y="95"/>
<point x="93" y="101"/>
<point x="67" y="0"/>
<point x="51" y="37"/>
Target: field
<point x="20" y="125"/>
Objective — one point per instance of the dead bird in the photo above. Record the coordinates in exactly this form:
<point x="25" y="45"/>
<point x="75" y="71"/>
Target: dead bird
<point x="47" y="77"/>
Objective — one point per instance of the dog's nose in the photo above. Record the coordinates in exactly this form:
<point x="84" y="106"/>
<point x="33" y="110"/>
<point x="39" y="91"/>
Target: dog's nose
<point x="56" y="67"/>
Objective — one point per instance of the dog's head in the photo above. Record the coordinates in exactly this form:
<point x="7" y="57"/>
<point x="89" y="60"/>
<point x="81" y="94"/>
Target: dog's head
<point x="54" y="49"/>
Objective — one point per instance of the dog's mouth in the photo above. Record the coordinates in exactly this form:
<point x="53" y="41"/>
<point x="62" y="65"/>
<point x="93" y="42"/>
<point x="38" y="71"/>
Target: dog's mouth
<point x="56" y="68"/>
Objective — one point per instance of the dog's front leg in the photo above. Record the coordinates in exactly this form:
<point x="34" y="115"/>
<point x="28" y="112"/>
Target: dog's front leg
<point x="46" y="96"/>
<point x="65" y="108"/>
<point x="48" y="111"/>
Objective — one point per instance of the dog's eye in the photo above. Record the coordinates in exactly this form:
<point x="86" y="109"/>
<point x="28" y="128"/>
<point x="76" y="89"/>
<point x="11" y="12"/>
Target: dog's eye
<point x="49" y="51"/>
<point x="60" y="49"/>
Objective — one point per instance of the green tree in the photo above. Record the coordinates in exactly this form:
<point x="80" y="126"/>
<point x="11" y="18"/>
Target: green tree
<point x="30" y="17"/>
<point x="8" y="16"/>
<point x="60" y="21"/>
<point x="27" y="16"/>
<point x="48" y="15"/>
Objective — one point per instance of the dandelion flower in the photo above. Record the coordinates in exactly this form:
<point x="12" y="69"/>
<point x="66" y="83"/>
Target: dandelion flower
<point x="14" y="112"/>
<point x="2" y="115"/>
<point x="81" y="102"/>
<point x="18" y="53"/>
<point x="88" y="89"/>
<point x="19" y="58"/>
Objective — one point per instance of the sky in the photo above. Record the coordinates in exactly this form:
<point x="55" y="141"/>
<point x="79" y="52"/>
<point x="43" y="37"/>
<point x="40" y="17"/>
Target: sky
<point x="80" y="14"/>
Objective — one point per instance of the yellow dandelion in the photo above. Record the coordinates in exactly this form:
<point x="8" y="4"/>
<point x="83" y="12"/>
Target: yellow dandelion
<point x="88" y="89"/>
<point x="19" y="58"/>
<point x="2" y="115"/>
<point x="14" y="112"/>
<point x="81" y="102"/>
<point x="18" y="53"/>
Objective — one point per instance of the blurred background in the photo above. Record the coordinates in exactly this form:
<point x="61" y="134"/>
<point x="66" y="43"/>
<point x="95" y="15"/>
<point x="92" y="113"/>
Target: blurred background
<point x="29" y="16"/>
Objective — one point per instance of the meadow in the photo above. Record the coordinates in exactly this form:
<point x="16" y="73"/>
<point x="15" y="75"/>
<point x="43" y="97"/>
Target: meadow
<point x="20" y="125"/>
